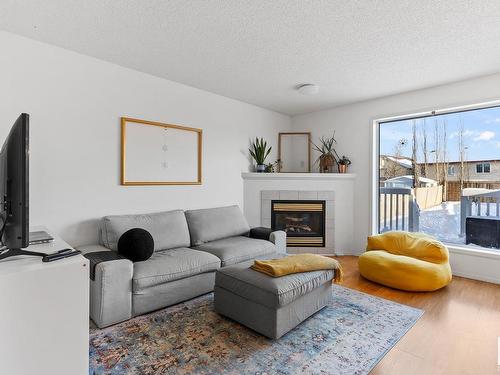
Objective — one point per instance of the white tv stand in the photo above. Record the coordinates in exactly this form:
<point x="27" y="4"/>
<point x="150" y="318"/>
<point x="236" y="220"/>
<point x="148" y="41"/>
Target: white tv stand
<point x="44" y="313"/>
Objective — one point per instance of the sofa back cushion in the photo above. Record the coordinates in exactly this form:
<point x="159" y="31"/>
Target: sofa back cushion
<point x="169" y="229"/>
<point x="216" y="223"/>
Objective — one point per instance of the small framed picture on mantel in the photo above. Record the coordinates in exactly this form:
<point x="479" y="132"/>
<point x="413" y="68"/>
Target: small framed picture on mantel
<point x="154" y="153"/>
<point x="294" y="152"/>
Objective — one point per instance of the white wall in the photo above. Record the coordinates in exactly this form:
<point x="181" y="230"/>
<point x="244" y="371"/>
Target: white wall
<point x="75" y="103"/>
<point x="353" y="123"/>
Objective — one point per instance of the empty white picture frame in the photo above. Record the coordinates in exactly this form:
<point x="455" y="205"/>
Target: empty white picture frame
<point x="294" y="152"/>
<point x="154" y="153"/>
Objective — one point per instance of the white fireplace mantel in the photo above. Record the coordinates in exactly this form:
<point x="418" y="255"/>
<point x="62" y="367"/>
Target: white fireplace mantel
<point x="337" y="189"/>
<point x="298" y="176"/>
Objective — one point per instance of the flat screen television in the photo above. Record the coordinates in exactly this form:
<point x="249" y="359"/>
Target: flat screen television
<point x="14" y="190"/>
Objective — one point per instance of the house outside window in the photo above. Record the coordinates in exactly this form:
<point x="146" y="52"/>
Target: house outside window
<point x="483" y="168"/>
<point x="451" y="170"/>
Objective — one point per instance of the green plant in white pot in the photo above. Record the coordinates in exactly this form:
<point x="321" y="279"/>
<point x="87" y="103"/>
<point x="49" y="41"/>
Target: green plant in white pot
<point x="259" y="152"/>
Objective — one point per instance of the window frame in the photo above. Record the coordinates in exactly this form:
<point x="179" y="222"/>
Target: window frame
<point x="375" y="123"/>
<point x="484" y="166"/>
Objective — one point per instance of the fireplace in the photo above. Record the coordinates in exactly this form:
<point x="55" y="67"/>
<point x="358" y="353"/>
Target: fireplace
<point x="302" y="220"/>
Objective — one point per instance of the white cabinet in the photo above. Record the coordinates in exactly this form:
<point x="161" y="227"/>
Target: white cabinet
<point x="44" y="314"/>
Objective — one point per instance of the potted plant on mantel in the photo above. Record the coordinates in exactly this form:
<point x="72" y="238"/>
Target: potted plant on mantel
<point x="329" y="157"/>
<point x="259" y="153"/>
<point x="344" y="162"/>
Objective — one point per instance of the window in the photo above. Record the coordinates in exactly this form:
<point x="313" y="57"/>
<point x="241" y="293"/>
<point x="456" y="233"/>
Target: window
<point x="427" y="194"/>
<point x="483" y="168"/>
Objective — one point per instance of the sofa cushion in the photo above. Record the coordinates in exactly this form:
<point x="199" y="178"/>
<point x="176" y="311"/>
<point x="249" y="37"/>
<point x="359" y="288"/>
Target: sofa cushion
<point x="169" y="265"/>
<point x="269" y="291"/>
<point x="169" y="229"/>
<point x="238" y="249"/>
<point x="216" y="223"/>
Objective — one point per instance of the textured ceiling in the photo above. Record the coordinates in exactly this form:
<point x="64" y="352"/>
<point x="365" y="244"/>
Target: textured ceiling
<point x="258" y="51"/>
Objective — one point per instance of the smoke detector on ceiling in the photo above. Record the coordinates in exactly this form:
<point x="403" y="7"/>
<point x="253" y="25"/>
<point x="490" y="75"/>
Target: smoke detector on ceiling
<point x="308" y="89"/>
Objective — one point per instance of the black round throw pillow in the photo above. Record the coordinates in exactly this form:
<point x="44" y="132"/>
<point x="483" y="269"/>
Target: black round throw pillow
<point x="136" y="244"/>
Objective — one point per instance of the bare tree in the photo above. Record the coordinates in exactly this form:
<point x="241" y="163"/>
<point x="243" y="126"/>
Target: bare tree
<point x="445" y="161"/>
<point x="461" y="151"/>
<point x="437" y="149"/>
<point x="414" y="154"/>
<point x="424" y="148"/>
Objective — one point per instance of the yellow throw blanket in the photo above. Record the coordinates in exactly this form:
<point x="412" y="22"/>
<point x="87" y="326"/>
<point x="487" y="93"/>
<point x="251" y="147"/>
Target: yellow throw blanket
<point x="297" y="264"/>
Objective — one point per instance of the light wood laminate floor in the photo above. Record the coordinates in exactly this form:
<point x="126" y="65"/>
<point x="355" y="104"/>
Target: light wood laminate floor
<point x="458" y="333"/>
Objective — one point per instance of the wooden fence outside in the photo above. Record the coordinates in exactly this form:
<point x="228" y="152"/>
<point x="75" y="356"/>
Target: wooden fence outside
<point x="453" y="190"/>
<point x="428" y="197"/>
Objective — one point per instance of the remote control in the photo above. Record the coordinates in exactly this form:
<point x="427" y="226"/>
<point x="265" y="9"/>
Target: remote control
<point x="65" y="253"/>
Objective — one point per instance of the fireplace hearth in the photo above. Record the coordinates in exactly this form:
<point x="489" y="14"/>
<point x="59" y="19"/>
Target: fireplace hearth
<point x="302" y="220"/>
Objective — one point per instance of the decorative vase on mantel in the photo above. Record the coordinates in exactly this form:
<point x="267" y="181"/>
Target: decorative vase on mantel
<point x="260" y="168"/>
<point x="326" y="163"/>
<point x="344" y="162"/>
<point x="328" y="156"/>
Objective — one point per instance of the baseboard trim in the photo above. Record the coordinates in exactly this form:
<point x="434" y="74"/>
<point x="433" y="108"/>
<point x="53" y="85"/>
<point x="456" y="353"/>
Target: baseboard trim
<point x="476" y="265"/>
<point x="475" y="252"/>
<point x="487" y="279"/>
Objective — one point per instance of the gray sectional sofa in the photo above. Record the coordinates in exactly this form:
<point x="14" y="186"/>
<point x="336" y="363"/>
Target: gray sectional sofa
<point x="189" y="247"/>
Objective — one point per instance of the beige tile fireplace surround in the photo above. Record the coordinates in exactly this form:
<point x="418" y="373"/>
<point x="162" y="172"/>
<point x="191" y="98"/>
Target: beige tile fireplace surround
<point x="268" y="196"/>
<point x="335" y="190"/>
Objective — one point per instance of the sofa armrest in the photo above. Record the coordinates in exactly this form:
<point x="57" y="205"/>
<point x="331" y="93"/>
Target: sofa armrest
<point x="278" y="237"/>
<point x="260" y="233"/>
<point x="111" y="289"/>
<point x="87" y="249"/>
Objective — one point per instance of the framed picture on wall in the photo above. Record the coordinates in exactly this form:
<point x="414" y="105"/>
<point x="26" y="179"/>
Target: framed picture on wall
<point x="294" y="151"/>
<point x="154" y="153"/>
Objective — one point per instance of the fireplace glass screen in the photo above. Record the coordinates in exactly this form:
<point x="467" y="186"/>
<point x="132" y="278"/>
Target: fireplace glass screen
<point x="303" y="221"/>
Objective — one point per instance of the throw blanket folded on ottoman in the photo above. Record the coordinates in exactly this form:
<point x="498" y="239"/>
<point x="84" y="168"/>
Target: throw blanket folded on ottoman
<point x="298" y="264"/>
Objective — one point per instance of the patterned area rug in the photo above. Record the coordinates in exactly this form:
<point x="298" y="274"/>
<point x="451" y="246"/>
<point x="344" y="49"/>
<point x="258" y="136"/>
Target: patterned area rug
<point x="349" y="336"/>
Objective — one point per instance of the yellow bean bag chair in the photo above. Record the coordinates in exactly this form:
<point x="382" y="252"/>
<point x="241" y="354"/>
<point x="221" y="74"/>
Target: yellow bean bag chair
<point x="408" y="261"/>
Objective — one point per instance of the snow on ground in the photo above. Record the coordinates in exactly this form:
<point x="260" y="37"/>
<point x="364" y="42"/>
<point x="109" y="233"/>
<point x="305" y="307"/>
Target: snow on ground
<point x="443" y="221"/>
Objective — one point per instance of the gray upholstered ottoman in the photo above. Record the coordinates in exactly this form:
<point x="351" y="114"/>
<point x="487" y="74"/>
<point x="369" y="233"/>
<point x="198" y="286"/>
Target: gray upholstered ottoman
<point x="268" y="305"/>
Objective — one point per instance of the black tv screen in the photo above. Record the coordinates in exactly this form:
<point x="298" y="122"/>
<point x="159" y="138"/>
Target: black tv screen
<point x="14" y="185"/>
